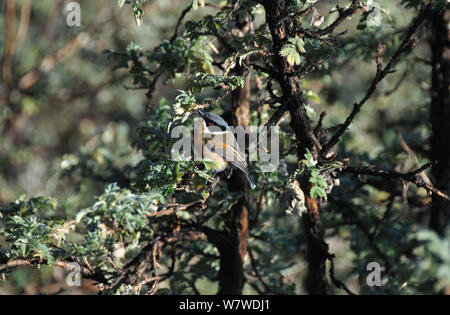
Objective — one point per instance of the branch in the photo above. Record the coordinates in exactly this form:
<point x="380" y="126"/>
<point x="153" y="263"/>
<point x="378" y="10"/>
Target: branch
<point x="255" y="270"/>
<point x="406" y="44"/>
<point x="172" y="208"/>
<point x="352" y="217"/>
<point x="273" y="121"/>
<point x="259" y="68"/>
<point x="180" y="20"/>
<point x="85" y="272"/>
<point x="308" y="10"/>
<point x="412" y="177"/>
<point x="338" y="283"/>
<point x="236" y="4"/>
<point x="318" y="128"/>
<point x="134" y="271"/>
<point x="343" y="14"/>
<point x="398" y="84"/>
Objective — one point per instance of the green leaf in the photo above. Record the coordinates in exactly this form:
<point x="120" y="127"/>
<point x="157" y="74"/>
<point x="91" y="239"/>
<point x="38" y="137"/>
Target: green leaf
<point x="299" y="43"/>
<point x="292" y="50"/>
<point x="309" y="159"/>
<point x="44" y="252"/>
<point x="23" y="249"/>
<point x="291" y="54"/>
<point x="316" y="192"/>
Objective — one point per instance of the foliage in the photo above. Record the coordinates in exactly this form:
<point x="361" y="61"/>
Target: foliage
<point x="293" y="49"/>
<point x="139" y="222"/>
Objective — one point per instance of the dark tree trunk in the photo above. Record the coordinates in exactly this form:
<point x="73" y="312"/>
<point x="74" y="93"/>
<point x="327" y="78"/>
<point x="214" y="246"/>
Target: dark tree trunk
<point x="317" y="249"/>
<point x="232" y="254"/>
<point x="440" y="116"/>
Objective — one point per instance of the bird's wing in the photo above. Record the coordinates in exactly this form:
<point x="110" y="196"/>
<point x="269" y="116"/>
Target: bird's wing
<point x="228" y="148"/>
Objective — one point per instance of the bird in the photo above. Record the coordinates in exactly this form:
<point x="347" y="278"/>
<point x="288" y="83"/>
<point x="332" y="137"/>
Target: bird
<point x="220" y="145"/>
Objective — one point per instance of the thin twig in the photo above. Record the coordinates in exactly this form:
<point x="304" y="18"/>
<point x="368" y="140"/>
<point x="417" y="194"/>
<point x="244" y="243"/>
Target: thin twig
<point x="338" y="283"/>
<point x="180" y="20"/>
<point x="407" y="44"/>
<point x="255" y="270"/>
<point x="412" y="177"/>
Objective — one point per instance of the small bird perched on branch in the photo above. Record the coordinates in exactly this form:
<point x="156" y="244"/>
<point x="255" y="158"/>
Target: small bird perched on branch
<point x="219" y="144"/>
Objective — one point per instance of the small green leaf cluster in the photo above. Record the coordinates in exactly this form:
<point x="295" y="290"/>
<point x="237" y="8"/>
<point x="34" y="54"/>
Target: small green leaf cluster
<point x="293" y="49"/>
<point x="202" y="80"/>
<point x="315" y="173"/>
<point x="27" y="234"/>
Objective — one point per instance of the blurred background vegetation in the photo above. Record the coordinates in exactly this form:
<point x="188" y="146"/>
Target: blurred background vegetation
<point x="68" y="121"/>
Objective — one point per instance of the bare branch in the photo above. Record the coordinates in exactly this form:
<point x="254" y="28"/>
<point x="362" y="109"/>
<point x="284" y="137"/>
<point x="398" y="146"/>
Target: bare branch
<point x="85" y="272"/>
<point x="338" y="283"/>
<point x="407" y="44"/>
<point x="343" y="15"/>
<point x="180" y="20"/>
<point x="412" y="177"/>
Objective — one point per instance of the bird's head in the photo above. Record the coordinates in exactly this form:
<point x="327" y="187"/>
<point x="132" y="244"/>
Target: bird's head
<point x="213" y="120"/>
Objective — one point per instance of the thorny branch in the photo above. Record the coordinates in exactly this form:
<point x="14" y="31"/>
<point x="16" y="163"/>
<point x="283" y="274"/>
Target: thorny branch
<point x="412" y="177"/>
<point x="406" y="45"/>
<point x="133" y="272"/>
<point x="338" y="283"/>
<point x="255" y="270"/>
<point x="86" y="272"/>
<point x="343" y="15"/>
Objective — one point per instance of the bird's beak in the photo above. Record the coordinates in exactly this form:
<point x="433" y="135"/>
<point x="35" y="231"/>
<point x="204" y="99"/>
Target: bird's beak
<point x="201" y="113"/>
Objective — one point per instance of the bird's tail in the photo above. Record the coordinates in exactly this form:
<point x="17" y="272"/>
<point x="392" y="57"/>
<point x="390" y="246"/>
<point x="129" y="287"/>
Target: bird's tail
<point x="250" y="181"/>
